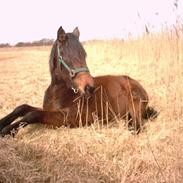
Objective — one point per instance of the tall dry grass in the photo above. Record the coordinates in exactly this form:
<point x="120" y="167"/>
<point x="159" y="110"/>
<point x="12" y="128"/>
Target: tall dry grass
<point x="110" y="154"/>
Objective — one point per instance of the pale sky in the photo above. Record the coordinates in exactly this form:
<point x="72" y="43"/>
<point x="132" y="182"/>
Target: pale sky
<point x="30" y="20"/>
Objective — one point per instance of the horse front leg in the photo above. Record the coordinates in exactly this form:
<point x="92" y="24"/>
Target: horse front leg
<point x="18" y="112"/>
<point x="51" y="119"/>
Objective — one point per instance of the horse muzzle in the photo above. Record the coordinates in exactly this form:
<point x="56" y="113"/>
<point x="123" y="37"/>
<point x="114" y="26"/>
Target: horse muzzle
<point x="89" y="90"/>
<point x="84" y="83"/>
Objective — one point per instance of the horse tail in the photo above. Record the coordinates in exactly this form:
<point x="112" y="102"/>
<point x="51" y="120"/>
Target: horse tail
<point x="150" y="113"/>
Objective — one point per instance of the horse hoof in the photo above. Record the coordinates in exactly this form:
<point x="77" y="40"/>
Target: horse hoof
<point x="2" y="134"/>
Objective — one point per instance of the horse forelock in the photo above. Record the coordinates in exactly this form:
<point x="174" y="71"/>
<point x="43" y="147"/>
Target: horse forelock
<point x="74" y="49"/>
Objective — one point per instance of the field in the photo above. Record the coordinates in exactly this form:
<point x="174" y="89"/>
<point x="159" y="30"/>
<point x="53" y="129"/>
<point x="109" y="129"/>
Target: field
<point x="94" y="154"/>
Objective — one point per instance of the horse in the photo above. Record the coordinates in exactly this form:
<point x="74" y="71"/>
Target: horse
<point x="74" y="98"/>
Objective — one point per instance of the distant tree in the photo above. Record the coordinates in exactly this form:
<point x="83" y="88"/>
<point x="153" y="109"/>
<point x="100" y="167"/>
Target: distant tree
<point x="22" y="44"/>
<point x="5" y="45"/>
<point x="42" y="42"/>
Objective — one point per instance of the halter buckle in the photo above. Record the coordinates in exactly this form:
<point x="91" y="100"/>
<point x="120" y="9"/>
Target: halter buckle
<point x="75" y="90"/>
<point x="72" y="73"/>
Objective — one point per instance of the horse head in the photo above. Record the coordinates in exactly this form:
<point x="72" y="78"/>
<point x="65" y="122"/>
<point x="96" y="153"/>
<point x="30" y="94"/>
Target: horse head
<point x="69" y="62"/>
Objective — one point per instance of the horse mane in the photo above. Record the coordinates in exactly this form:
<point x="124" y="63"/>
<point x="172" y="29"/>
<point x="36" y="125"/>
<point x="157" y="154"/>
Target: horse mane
<point x="51" y="60"/>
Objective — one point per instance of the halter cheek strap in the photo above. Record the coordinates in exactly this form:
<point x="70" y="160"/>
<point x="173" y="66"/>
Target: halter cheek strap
<point x="72" y="72"/>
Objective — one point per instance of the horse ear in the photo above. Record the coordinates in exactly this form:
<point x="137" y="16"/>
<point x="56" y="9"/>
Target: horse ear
<point x="61" y="34"/>
<point x="76" y="32"/>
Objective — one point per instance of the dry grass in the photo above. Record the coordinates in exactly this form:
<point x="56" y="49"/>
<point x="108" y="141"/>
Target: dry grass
<point x="110" y="155"/>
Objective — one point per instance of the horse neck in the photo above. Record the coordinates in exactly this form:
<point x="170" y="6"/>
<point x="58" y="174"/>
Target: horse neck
<point x="56" y="79"/>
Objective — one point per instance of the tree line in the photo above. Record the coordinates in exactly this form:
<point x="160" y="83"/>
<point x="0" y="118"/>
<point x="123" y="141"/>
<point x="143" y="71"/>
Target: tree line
<point x="42" y="42"/>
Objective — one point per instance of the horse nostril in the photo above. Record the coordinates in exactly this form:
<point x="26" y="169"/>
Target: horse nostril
<point x="89" y="89"/>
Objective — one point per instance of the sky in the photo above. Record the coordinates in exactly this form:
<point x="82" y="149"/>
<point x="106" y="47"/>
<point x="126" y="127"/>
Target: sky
<point x="30" y="20"/>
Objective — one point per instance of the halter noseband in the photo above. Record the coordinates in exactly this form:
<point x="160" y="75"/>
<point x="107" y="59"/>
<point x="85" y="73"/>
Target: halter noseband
<point x="72" y="72"/>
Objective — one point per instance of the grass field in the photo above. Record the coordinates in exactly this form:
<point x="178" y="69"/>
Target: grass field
<point x="95" y="155"/>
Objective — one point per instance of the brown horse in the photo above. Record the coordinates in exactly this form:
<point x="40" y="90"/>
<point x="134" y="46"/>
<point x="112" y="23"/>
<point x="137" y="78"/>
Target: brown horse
<point x="75" y="98"/>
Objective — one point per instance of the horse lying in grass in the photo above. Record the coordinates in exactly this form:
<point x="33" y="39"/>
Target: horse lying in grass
<point x="74" y="98"/>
